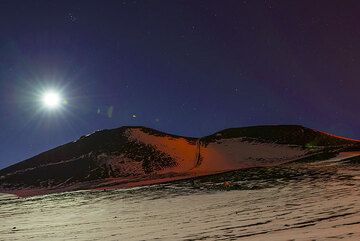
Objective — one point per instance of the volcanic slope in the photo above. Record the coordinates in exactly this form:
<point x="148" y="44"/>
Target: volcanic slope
<point x="130" y="156"/>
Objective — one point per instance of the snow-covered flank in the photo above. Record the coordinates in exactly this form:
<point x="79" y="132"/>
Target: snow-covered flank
<point x="317" y="205"/>
<point x="225" y="154"/>
<point x="180" y="149"/>
<point x="228" y="154"/>
<point x="336" y="160"/>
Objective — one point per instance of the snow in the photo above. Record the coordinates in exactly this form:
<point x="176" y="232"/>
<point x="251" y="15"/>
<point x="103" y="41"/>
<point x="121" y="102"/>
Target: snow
<point x="223" y="155"/>
<point x="230" y="154"/>
<point x="192" y="158"/>
<point x="182" y="150"/>
<point x="307" y="209"/>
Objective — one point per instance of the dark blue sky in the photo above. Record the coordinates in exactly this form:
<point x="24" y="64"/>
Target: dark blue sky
<point x="184" y="67"/>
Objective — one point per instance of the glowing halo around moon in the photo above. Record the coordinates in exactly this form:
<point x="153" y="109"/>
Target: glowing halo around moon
<point x="51" y="99"/>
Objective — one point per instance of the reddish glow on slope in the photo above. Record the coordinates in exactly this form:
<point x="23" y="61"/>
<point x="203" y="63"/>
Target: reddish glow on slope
<point x="339" y="137"/>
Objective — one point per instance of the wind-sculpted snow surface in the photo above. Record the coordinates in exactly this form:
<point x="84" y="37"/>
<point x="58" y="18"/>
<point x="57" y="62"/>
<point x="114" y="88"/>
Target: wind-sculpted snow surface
<point x="306" y="200"/>
<point x="222" y="155"/>
<point x="135" y="156"/>
<point x="236" y="153"/>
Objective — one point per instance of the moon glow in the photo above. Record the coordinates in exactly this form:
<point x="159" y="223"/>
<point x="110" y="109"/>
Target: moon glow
<point x="51" y="100"/>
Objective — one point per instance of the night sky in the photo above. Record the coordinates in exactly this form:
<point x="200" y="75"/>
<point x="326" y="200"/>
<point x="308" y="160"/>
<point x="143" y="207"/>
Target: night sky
<point x="184" y="67"/>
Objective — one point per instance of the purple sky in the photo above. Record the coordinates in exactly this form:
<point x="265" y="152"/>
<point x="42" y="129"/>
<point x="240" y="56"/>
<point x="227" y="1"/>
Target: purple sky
<point x="184" y="67"/>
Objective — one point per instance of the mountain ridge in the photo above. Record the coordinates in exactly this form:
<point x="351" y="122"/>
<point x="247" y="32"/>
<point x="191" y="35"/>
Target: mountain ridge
<point x="139" y="153"/>
<point x="205" y="139"/>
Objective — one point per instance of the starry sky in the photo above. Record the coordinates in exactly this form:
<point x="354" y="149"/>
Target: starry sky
<point x="184" y="67"/>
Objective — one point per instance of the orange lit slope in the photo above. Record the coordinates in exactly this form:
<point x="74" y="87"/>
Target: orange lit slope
<point x="130" y="156"/>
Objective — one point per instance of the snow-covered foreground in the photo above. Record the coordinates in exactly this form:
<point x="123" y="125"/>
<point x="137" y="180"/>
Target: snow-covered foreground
<point x="292" y="202"/>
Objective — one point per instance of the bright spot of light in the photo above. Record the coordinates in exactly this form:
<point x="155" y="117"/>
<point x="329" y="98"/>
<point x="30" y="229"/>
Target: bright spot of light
<point x="51" y="99"/>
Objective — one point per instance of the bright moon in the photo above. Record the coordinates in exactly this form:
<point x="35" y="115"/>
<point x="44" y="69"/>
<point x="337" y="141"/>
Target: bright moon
<point x="51" y="99"/>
